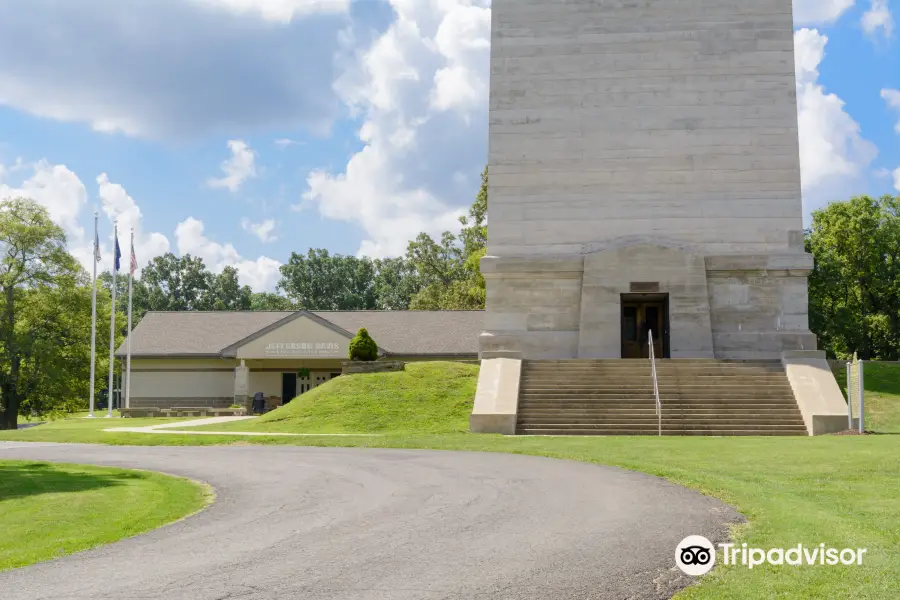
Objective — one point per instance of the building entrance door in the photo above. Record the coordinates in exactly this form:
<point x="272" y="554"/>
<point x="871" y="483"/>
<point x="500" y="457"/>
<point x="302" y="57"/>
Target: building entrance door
<point x="640" y="316"/>
<point x="288" y="387"/>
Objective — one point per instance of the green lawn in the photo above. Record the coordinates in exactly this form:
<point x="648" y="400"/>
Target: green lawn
<point x="48" y="510"/>
<point x="434" y="397"/>
<point x="836" y="490"/>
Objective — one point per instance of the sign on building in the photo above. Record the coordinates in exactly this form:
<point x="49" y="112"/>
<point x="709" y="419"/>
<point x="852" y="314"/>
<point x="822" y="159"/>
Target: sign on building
<point x="294" y="349"/>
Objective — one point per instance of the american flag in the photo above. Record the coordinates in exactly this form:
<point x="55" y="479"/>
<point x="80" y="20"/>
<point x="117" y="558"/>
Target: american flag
<point x="133" y="260"/>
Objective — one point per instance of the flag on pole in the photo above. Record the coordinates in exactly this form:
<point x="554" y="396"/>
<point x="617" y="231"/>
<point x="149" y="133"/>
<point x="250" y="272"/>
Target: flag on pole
<point x="133" y="259"/>
<point x="118" y="252"/>
<point x="96" y="242"/>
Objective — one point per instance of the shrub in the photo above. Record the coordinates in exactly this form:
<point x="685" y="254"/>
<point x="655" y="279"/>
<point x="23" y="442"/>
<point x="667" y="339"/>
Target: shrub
<point x="363" y="347"/>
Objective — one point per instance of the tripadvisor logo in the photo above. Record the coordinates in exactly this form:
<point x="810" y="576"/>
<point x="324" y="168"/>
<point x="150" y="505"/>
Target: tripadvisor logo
<point x="696" y="555"/>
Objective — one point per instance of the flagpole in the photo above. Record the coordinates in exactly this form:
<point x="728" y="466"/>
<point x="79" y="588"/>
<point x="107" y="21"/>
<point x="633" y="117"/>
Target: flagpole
<point x="112" y="324"/>
<point x="128" y="348"/>
<point x="94" y="317"/>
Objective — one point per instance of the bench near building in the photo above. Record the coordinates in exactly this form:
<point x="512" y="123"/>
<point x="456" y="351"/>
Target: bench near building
<point x="217" y="359"/>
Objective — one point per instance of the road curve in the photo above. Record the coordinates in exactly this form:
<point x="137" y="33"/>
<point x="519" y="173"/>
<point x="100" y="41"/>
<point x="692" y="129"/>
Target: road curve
<point x="364" y="524"/>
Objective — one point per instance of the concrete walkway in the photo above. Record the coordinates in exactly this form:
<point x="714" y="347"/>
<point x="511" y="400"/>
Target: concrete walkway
<point x="373" y="524"/>
<point x="183" y="428"/>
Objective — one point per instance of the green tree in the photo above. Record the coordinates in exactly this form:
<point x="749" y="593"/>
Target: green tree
<point x="34" y="267"/>
<point x="57" y="371"/>
<point x="321" y="281"/>
<point x="270" y="301"/>
<point x="363" y="347"/>
<point x="140" y="302"/>
<point x="177" y="283"/>
<point x="396" y="282"/>
<point x="449" y="270"/>
<point x="854" y="289"/>
<point x="226" y="292"/>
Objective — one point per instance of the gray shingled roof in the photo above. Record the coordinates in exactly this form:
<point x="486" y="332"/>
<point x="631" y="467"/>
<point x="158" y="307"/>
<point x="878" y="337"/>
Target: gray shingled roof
<point x="194" y="333"/>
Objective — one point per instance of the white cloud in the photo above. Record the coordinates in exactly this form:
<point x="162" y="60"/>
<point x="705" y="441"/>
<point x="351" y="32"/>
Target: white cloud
<point x="264" y="231"/>
<point x="286" y="143"/>
<point x="56" y="188"/>
<point x="464" y="38"/>
<point x="260" y="274"/>
<point x="119" y="206"/>
<point x="897" y="179"/>
<point x="64" y="195"/>
<point x="820" y="12"/>
<point x="240" y="167"/>
<point x="421" y="88"/>
<point x="226" y="68"/>
<point x="833" y="153"/>
<point x="878" y="18"/>
<point x="279" y="10"/>
<point x="892" y="97"/>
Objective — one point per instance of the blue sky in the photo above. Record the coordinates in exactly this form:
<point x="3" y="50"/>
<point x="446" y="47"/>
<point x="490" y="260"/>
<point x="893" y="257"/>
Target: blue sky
<point x="242" y="130"/>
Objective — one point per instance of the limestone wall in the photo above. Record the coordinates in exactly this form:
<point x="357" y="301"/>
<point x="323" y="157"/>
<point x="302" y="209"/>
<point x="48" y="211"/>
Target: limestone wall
<point x="671" y="118"/>
<point x="759" y="305"/>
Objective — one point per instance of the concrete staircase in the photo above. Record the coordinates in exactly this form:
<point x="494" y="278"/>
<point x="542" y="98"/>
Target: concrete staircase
<point x="615" y="397"/>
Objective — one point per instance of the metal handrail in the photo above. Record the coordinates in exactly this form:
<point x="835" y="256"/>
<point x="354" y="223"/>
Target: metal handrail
<point x="655" y="382"/>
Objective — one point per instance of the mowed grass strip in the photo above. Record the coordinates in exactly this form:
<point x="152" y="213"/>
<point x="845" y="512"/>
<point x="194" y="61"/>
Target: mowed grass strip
<point x="49" y="510"/>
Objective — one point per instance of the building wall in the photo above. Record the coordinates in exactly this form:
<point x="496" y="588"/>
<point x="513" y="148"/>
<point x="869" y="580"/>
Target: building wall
<point x="166" y="383"/>
<point x="672" y="119"/>
<point x="189" y="382"/>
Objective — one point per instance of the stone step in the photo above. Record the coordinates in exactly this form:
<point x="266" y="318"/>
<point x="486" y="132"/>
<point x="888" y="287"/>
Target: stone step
<point x="651" y="410"/>
<point x="770" y="377"/>
<point x="643" y="386"/>
<point x="669" y="361"/>
<point x="743" y="404"/>
<point x="531" y="393"/>
<point x="666" y="432"/>
<point x="730" y="422"/>
<point x="649" y="400"/>
<point x="611" y="387"/>
<point x="646" y="368"/>
<point x="698" y="397"/>
<point x="680" y="374"/>
<point x="670" y="426"/>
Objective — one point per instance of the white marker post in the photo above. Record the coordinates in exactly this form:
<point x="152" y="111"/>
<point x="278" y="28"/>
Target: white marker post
<point x="862" y="395"/>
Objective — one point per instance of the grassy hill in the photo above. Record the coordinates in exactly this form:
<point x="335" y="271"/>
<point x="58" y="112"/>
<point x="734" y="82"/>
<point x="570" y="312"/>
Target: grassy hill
<point x="433" y="397"/>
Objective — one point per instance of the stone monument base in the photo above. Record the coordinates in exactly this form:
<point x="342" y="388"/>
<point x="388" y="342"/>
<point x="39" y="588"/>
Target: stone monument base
<point x="601" y="304"/>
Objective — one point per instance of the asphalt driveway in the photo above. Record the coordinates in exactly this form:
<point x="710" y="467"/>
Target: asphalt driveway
<point x="363" y="524"/>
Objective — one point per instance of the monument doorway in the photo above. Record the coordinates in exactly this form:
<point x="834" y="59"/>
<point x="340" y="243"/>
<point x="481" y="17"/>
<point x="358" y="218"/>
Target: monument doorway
<point x="641" y="314"/>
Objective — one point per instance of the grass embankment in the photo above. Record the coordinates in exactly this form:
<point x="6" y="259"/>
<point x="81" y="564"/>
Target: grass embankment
<point x="48" y="510"/>
<point x="433" y="397"/>
<point x="836" y="490"/>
